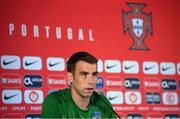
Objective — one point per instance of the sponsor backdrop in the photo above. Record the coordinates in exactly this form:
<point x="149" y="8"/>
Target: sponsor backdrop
<point x="136" y="42"/>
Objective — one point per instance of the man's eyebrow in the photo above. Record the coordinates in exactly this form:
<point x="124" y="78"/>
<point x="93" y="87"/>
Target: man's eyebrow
<point x="95" y="72"/>
<point x="84" y="72"/>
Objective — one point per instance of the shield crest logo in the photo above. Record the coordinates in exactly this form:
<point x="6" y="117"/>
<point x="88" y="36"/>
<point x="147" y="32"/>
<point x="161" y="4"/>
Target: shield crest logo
<point x="138" y="24"/>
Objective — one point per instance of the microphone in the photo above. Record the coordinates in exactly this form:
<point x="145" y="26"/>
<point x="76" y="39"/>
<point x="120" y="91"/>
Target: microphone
<point x="107" y="104"/>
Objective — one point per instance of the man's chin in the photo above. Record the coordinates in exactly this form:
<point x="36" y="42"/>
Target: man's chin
<point x="88" y="94"/>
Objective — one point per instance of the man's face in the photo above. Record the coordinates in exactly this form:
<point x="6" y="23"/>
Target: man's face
<point x="84" y="79"/>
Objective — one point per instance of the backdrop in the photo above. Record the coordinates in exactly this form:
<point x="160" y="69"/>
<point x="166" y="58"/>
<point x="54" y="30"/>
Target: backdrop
<point x="136" y="42"/>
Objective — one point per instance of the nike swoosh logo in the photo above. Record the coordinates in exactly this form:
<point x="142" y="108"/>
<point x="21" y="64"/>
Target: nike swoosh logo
<point x="148" y="68"/>
<point x="53" y="64"/>
<point x="30" y="63"/>
<point x="9" y="62"/>
<point x="166" y="68"/>
<point x="9" y="97"/>
<point x="111" y="66"/>
<point x="112" y="98"/>
<point x="128" y="67"/>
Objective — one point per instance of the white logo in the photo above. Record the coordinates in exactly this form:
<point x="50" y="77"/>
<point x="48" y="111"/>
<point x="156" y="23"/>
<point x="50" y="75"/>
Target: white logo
<point x="152" y="83"/>
<point x="32" y="63"/>
<point x="55" y="64"/>
<point x="57" y="81"/>
<point x="150" y="68"/>
<point x="167" y="68"/>
<point x="170" y="98"/>
<point x="33" y="96"/>
<point x="115" y="97"/>
<point x="137" y="26"/>
<point x="112" y="66"/>
<point x="11" y="80"/>
<point x="10" y="62"/>
<point x="178" y="68"/>
<point x="131" y="67"/>
<point x="133" y="97"/>
<point x="11" y="96"/>
<point x="114" y="83"/>
<point x="100" y="65"/>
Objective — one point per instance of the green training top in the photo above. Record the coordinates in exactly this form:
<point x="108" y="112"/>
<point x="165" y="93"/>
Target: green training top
<point x="60" y="104"/>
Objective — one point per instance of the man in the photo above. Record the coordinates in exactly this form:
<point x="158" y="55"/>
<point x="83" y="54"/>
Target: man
<point x="79" y="100"/>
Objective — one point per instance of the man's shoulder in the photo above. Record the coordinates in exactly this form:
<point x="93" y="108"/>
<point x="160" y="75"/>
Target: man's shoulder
<point x="99" y="94"/>
<point x="99" y="97"/>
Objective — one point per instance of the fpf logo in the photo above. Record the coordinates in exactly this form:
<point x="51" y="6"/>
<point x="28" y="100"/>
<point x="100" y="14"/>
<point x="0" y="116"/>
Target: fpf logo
<point x="138" y="24"/>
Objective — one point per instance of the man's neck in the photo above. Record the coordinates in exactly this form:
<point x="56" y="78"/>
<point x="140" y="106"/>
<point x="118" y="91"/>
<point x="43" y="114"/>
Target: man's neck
<point x="80" y="101"/>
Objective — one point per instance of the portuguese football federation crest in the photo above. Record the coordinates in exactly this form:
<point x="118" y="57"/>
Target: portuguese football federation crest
<point x="138" y="24"/>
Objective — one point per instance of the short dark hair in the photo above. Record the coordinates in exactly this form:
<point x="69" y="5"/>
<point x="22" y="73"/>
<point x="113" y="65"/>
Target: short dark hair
<point x="80" y="56"/>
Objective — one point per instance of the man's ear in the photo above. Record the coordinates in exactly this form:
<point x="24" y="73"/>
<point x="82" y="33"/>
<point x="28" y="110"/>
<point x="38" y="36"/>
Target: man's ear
<point x="69" y="77"/>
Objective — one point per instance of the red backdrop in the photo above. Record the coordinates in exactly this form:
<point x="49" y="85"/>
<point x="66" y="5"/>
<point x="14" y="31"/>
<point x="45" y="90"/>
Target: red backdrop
<point x="41" y="32"/>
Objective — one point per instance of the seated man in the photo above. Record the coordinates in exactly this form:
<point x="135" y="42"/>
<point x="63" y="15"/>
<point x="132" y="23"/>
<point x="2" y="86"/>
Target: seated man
<point x="79" y="100"/>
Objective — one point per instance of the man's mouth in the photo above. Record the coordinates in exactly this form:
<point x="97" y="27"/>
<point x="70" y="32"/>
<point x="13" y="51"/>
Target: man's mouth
<point x="90" y="89"/>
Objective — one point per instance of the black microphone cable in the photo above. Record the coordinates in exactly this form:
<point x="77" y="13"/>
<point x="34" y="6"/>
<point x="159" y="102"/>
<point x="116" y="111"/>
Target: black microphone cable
<point x="108" y="105"/>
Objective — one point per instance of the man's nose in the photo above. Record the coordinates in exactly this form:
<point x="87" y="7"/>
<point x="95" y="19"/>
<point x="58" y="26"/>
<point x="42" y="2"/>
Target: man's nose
<point x="91" y="79"/>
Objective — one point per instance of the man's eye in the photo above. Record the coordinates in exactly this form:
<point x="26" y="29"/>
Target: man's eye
<point x="95" y="74"/>
<point x="84" y="74"/>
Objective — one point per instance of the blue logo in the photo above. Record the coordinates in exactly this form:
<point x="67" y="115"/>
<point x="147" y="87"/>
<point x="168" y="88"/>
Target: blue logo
<point x="131" y="83"/>
<point x="96" y="115"/>
<point x="134" y="116"/>
<point x="168" y="84"/>
<point x="33" y="116"/>
<point x="171" y="116"/>
<point x="32" y="81"/>
<point x="100" y="83"/>
<point x="153" y="98"/>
